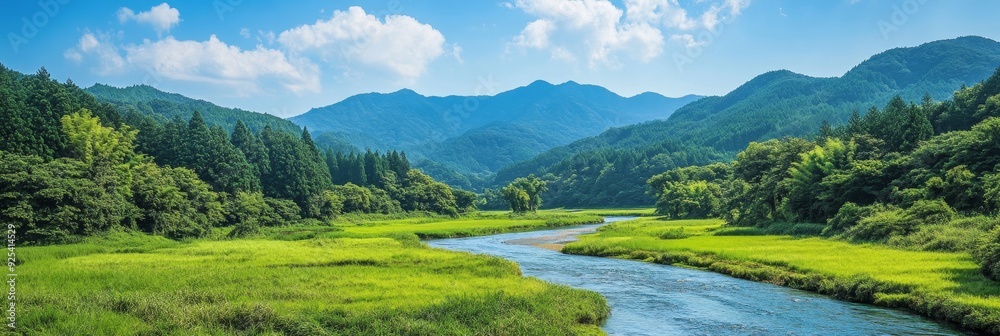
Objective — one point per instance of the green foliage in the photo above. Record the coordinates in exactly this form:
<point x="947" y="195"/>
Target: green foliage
<point x="780" y="104"/>
<point x="354" y="198"/>
<point x="49" y="202"/>
<point x="524" y="193"/>
<point x="248" y="212"/>
<point x="465" y="201"/>
<point x="88" y="141"/>
<point x="424" y="194"/>
<point x="31" y="107"/>
<point x="162" y="106"/>
<point x="174" y="202"/>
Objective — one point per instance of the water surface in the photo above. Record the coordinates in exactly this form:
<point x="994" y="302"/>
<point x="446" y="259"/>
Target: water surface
<point x="652" y="299"/>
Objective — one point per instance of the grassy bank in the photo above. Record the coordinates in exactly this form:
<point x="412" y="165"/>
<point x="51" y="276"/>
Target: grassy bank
<point x="470" y="225"/>
<point x="357" y="276"/>
<point x="943" y="286"/>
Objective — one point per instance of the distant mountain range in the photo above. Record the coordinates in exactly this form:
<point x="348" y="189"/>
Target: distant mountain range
<point x="480" y="134"/>
<point x="781" y="103"/>
<point x="556" y="130"/>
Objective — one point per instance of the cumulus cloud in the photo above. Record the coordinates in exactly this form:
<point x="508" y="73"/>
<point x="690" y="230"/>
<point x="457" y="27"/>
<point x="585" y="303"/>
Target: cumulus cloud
<point x="400" y="44"/>
<point x="595" y="26"/>
<point x="535" y="34"/>
<point x="211" y="61"/>
<point x="600" y="31"/>
<point x="98" y="49"/>
<point x="214" y="61"/>
<point x="161" y="17"/>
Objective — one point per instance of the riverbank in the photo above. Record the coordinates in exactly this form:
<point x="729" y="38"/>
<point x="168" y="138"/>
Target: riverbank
<point x="942" y="286"/>
<point x="353" y="276"/>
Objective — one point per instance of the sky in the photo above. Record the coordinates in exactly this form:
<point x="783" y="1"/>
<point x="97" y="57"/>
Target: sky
<point x="286" y="57"/>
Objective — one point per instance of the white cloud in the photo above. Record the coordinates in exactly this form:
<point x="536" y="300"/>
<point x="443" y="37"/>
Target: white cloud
<point x="686" y="40"/>
<point x="456" y="51"/>
<point x="535" y="34"/>
<point x="214" y="61"/>
<point x="590" y="27"/>
<point x="601" y="31"/>
<point x="245" y="32"/>
<point x="660" y="12"/>
<point x="161" y="17"/>
<point x="400" y="44"/>
<point x="98" y="49"/>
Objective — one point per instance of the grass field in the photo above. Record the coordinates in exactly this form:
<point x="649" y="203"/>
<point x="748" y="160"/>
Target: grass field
<point x="470" y="225"/>
<point x="941" y="285"/>
<point x="359" y="276"/>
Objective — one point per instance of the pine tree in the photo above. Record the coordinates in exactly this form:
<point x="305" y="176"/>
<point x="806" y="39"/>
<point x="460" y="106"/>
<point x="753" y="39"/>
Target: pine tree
<point x="252" y="148"/>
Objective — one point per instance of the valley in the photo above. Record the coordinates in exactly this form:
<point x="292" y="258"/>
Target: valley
<point x="528" y="167"/>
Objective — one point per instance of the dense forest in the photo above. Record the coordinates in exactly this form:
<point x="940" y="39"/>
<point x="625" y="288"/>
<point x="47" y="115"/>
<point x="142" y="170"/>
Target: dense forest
<point x="773" y="105"/>
<point x="73" y="166"/>
<point x="914" y="175"/>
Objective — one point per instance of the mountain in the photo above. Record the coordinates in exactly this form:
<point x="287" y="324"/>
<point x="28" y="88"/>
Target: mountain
<point x="776" y="104"/>
<point x="148" y="100"/>
<point x="480" y="134"/>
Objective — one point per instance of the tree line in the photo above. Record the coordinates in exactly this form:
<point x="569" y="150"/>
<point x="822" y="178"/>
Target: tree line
<point x="73" y="166"/>
<point x="923" y="176"/>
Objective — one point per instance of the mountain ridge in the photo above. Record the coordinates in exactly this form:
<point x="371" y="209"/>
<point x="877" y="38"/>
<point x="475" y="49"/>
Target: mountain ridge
<point x="476" y="135"/>
<point x="781" y="103"/>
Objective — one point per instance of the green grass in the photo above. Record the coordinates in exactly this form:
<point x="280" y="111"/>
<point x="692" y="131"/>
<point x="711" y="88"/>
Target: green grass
<point x="136" y="284"/>
<point x="942" y="285"/>
<point x="470" y="225"/>
<point x="613" y="212"/>
<point x="359" y="275"/>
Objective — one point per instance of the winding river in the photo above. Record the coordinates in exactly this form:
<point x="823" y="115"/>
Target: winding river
<point x="652" y="299"/>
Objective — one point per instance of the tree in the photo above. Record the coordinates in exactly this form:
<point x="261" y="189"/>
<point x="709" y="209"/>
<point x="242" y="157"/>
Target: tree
<point x="424" y="194"/>
<point x="92" y="143"/>
<point x="252" y="148"/>
<point x="524" y="193"/>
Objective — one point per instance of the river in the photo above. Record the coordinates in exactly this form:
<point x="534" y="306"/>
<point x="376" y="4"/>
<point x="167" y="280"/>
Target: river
<point x="652" y="299"/>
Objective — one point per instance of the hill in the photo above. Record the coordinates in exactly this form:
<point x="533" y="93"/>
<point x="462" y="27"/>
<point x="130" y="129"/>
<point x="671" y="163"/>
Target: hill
<point x="148" y="100"/>
<point x="773" y="105"/>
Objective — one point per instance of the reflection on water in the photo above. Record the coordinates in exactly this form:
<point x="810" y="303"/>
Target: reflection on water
<point x="651" y="299"/>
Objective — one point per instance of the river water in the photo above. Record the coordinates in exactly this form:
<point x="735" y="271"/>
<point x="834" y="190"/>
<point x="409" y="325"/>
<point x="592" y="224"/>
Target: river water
<point x="652" y="299"/>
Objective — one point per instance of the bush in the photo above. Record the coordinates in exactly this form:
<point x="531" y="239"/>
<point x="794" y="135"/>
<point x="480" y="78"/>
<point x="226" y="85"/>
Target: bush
<point x="988" y="255"/>
<point x="930" y="212"/>
<point x="285" y="209"/>
<point x="941" y="237"/>
<point x="849" y="215"/>
<point x="880" y="225"/>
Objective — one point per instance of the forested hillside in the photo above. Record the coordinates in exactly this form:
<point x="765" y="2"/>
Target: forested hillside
<point x="772" y="105"/>
<point x="165" y="106"/>
<point x="914" y="175"/>
<point x="476" y="135"/>
<point x="71" y="166"/>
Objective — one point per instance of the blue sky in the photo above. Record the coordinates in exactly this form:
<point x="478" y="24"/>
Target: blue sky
<point x="285" y="57"/>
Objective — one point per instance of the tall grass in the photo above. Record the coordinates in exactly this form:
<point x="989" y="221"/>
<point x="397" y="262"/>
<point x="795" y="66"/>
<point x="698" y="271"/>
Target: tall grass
<point x="941" y="285"/>
<point x="137" y="284"/>
<point x="469" y="225"/>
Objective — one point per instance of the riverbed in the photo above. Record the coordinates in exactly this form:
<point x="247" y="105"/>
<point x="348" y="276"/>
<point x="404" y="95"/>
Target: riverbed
<point x="653" y="299"/>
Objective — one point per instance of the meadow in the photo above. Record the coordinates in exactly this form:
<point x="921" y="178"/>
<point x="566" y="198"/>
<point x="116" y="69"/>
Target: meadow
<point x="944" y="286"/>
<point x="356" y="275"/>
<point x="477" y="224"/>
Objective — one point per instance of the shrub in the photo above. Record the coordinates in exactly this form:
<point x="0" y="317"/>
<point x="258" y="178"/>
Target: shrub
<point x="988" y="255"/>
<point x="881" y="225"/>
<point x="930" y="212"/>
<point x="849" y="215"/>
